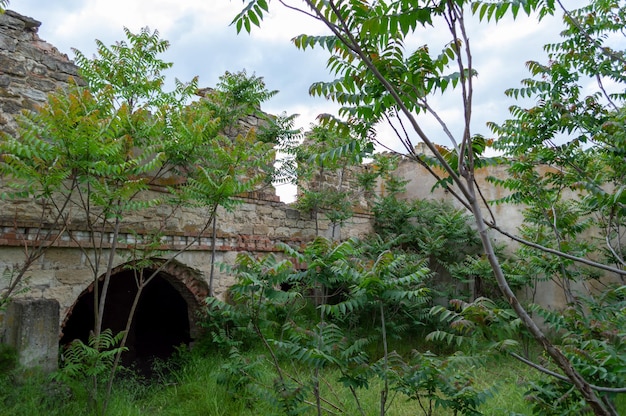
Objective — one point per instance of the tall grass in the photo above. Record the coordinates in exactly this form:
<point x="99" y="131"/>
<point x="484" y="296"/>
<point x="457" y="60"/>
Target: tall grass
<point x="192" y="384"/>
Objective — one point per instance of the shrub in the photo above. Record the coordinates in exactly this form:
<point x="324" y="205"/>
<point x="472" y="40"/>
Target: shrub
<point x="8" y="359"/>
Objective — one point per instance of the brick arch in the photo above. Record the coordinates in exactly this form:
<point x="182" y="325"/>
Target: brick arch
<point x="186" y="281"/>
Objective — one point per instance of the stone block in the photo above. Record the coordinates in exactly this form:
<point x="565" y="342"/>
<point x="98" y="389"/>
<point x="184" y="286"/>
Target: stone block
<point x="5" y="80"/>
<point x="261" y="229"/>
<point x="12" y="67"/>
<point x="227" y="228"/>
<point x="39" y="278"/>
<point x="67" y="68"/>
<point x="64" y="78"/>
<point x="246" y="207"/>
<point x="42" y="84"/>
<point x="272" y="222"/>
<point x="12" y="22"/>
<point x="283" y="232"/>
<point x="73" y="277"/>
<point x="30" y="104"/>
<point x="265" y="210"/>
<point x="32" y="327"/>
<point x="65" y="295"/>
<point x="38" y="70"/>
<point x="61" y="258"/>
<point x="246" y="229"/>
<point x="21" y="22"/>
<point x="7" y="44"/>
<point x="230" y="257"/>
<point x="27" y="92"/>
<point x="279" y="214"/>
<point x="9" y="106"/>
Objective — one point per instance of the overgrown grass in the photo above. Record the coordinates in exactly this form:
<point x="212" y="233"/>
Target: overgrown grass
<point x="193" y="385"/>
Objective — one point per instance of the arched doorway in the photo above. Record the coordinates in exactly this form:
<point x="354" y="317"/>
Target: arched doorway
<point x="165" y="317"/>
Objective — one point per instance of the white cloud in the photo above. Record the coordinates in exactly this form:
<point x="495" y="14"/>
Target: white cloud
<point x="203" y="43"/>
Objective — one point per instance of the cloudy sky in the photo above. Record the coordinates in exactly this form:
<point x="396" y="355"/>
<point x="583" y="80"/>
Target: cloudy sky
<point x="203" y="43"/>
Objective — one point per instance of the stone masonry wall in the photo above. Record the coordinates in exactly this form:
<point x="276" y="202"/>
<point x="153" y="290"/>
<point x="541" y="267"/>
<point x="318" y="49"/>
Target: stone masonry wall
<point x="255" y="226"/>
<point x="30" y="69"/>
<point x="507" y="216"/>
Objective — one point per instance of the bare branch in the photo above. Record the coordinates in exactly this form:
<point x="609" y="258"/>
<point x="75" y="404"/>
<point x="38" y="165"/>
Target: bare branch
<point x="555" y="252"/>
<point x="562" y="377"/>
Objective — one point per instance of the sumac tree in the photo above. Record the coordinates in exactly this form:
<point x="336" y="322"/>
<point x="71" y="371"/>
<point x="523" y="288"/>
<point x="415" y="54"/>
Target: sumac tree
<point x="382" y="76"/>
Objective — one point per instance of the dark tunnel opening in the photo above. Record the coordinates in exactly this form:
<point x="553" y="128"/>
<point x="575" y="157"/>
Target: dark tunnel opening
<point x="160" y="325"/>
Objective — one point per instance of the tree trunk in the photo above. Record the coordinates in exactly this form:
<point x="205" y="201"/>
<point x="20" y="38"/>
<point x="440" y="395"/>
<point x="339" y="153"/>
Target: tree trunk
<point x="561" y="360"/>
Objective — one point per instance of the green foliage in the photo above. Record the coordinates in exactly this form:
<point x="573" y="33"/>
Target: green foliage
<point x="131" y="73"/>
<point x="378" y="77"/>
<point x="592" y="336"/>
<point x="105" y="143"/>
<point x="192" y="389"/>
<point x="496" y="10"/>
<point x="566" y="162"/>
<point x="551" y="397"/>
<point x="82" y="145"/>
<point x="325" y="346"/>
<point x="572" y="132"/>
<point x="323" y="169"/>
<point x="253" y="13"/>
<point x="230" y="327"/>
<point x="197" y="388"/>
<point x="477" y="271"/>
<point x="475" y="153"/>
<point x="219" y="156"/>
<point x="94" y="359"/>
<point x="432" y="228"/>
<point x="379" y="72"/>
<point x="435" y="382"/>
<point x="280" y="129"/>
<point x="381" y="166"/>
<point x="387" y="281"/>
<point x="239" y="374"/>
<point x="535" y="267"/>
<point x="302" y="343"/>
<point x="480" y="324"/>
<point x="436" y="231"/>
<point x="14" y="283"/>
<point x="77" y="143"/>
<point x="238" y="95"/>
<point x="96" y="150"/>
<point x="8" y="359"/>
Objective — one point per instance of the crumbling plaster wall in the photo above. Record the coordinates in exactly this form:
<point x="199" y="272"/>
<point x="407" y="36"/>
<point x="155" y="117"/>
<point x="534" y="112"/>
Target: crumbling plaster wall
<point x="508" y="217"/>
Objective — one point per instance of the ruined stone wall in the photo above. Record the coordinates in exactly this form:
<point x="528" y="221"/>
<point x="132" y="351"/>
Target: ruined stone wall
<point x="256" y="226"/>
<point x="421" y="184"/>
<point x="508" y="217"/>
<point x="30" y="69"/>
